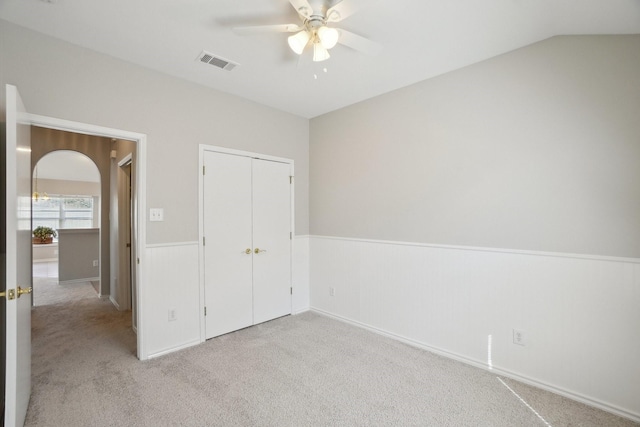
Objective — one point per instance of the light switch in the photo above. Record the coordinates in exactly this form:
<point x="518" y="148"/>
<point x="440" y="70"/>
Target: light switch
<point x="156" y="214"/>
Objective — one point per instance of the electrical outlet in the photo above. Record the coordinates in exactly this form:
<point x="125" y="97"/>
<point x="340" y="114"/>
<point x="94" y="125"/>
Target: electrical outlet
<point x="172" y="315"/>
<point x="332" y="291"/>
<point x="156" y="214"/>
<point x="95" y="262"/>
<point x="519" y="337"/>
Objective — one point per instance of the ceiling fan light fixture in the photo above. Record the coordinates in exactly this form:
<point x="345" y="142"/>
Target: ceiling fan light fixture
<point x="298" y="41"/>
<point x="328" y="36"/>
<point x="320" y="53"/>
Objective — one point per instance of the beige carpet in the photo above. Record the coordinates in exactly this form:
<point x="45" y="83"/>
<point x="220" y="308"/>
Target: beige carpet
<point x="304" y="370"/>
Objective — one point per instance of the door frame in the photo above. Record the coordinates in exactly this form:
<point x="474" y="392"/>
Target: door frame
<point x="223" y="150"/>
<point x="138" y="203"/>
<point x="126" y="161"/>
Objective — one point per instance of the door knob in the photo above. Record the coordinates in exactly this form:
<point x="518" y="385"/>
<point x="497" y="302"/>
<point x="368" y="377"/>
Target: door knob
<point x="257" y="251"/>
<point x="24" y="291"/>
<point x="247" y="251"/>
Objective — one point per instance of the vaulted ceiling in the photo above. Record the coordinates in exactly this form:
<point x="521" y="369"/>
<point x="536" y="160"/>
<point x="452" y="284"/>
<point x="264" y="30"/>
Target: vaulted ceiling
<point x="420" y="39"/>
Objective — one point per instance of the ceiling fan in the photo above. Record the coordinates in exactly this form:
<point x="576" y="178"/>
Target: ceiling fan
<point x="316" y="31"/>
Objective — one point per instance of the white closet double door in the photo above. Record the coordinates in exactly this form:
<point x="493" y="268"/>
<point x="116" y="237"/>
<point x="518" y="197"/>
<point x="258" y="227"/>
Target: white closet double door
<point x="247" y="251"/>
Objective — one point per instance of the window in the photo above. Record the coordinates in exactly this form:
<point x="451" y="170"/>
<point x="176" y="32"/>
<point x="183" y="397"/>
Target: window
<point x="59" y="212"/>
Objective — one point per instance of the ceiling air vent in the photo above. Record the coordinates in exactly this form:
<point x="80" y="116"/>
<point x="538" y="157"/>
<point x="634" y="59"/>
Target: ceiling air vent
<point x="216" y="61"/>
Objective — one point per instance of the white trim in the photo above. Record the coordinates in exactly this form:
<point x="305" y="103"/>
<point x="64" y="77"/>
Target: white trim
<point x="84" y="128"/>
<point x="37" y="261"/>
<point x="173" y="349"/>
<point x="292" y="230"/>
<point x="478" y="364"/>
<point x="201" y="295"/>
<point x="138" y="204"/>
<point x="224" y="150"/>
<point x="484" y="249"/>
<point x="114" y="302"/>
<point x="301" y="236"/>
<point x="168" y="245"/>
<point x="301" y="310"/>
<point x="126" y="160"/>
<point x="70" y="282"/>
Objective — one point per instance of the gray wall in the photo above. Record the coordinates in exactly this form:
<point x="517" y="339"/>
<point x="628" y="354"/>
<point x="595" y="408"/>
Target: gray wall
<point x="78" y="248"/>
<point x="69" y="82"/>
<point x="537" y="149"/>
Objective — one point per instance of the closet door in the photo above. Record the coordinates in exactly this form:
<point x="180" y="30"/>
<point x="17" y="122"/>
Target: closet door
<point x="227" y="232"/>
<point x="271" y="240"/>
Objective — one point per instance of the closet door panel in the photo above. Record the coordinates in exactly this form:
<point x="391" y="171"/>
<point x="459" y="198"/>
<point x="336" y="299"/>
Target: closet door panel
<point x="271" y="228"/>
<point x="227" y="232"/>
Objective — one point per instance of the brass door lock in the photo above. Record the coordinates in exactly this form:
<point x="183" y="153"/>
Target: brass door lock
<point x="9" y="294"/>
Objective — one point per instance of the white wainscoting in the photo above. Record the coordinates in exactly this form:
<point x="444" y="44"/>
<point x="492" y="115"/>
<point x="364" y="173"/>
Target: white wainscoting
<point x="580" y="314"/>
<point x="172" y="283"/>
<point x="300" y="301"/>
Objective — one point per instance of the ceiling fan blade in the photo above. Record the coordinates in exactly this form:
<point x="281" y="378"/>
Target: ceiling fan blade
<point x="302" y="7"/>
<point x="342" y="10"/>
<point x="262" y="29"/>
<point x="359" y="43"/>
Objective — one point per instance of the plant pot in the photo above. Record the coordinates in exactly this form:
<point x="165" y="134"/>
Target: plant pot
<point x="45" y="241"/>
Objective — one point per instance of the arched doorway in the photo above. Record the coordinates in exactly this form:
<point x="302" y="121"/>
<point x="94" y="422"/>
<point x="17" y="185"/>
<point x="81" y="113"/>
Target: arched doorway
<point x="66" y="199"/>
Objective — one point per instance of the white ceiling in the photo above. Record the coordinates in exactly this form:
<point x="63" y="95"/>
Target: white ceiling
<point x="420" y="38"/>
<point x="68" y="166"/>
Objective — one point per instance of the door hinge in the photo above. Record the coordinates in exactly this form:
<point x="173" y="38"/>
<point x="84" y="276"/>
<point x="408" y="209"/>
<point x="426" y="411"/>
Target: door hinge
<point x="291" y="235"/>
<point x="138" y="260"/>
<point x="205" y="311"/>
<point x="291" y="289"/>
<point x="290" y="179"/>
<point x="203" y="168"/>
<point x="202" y="240"/>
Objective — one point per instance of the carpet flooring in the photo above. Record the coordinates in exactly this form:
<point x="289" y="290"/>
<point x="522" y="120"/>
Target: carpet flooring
<point x="304" y="370"/>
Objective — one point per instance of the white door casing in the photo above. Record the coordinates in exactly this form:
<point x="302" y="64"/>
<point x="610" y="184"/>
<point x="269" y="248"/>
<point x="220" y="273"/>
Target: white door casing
<point x="123" y="275"/>
<point x="246" y="199"/>
<point x="138" y="203"/>
<point x="18" y="259"/>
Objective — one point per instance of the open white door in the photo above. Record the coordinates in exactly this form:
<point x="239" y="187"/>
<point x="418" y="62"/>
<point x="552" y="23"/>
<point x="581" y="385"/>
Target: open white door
<point x="18" y="260"/>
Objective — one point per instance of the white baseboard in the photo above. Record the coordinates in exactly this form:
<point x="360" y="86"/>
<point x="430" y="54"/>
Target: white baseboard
<point x="479" y="364"/>
<point x="173" y="349"/>
<point x="464" y="303"/>
<point x="70" y="282"/>
<point x="300" y="310"/>
<point x="114" y="302"/>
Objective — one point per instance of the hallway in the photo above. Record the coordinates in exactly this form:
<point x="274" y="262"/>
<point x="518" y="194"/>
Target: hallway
<point x="74" y="335"/>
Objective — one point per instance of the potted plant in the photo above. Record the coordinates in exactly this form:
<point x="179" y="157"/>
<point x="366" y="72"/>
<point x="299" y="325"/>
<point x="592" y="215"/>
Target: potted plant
<point x="42" y="235"/>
